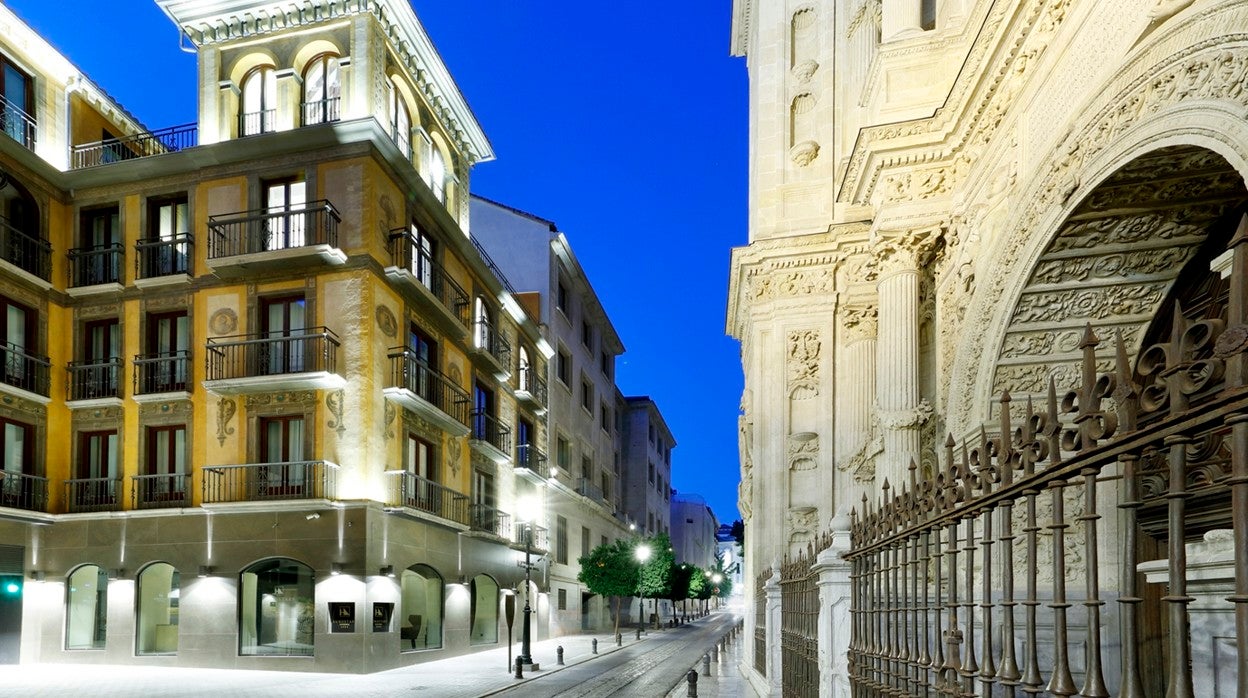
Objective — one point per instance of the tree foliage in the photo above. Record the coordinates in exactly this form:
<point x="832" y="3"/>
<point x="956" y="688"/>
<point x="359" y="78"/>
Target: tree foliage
<point x="611" y="570"/>
<point x="655" y="580"/>
<point x="724" y="588"/>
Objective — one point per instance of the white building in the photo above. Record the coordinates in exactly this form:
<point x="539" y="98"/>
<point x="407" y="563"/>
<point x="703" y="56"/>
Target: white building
<point x="693" y="530"/>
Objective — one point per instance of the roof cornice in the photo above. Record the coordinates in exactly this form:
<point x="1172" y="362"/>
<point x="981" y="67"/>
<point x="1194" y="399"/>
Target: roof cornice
<point x="739" y="43"/>
<point x="207" y="22"/>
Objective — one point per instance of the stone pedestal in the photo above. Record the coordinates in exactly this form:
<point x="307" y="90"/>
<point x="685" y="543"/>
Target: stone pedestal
<point x="834" y="619"/>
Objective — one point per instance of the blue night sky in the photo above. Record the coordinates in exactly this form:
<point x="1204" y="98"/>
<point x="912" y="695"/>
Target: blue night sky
<point x="625" y="123"/>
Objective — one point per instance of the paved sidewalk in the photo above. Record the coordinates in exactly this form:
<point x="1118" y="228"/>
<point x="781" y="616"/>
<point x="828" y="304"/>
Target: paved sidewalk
<point x="726" y="679"/>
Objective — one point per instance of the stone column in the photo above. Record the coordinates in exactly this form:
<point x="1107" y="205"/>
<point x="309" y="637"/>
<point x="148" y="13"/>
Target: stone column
<point x="775" y="686"/>
<point x="289" y="105"/>
<point x="901" y="18"/>
<point x="834" y="620"/>
<point x="228" y="100"/>
<point x="901" y="414"/>
<point x="856" y="440"/>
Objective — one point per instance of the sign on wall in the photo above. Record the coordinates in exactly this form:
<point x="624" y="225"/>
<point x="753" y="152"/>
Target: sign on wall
<point x="341" y="617"/>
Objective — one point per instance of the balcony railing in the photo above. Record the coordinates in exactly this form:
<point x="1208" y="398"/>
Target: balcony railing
<point x="92" y="494"/>
<point x="161" y="491"/>
<point x="156" y="258"/>
<point x="22" y="491"/>
<point x="532" y="457"/>
<point x="406" y="254"/>
<point x="25" y="251"/>
<point x="262" y="482"/>
<point x="410" y="373"/>
<point x="321" y="111"/>
<point x="487" y="428"/>
<point x="489" y="262"/>
<point x="428" y="496"/>
<point x="541" y="536"/>
<point x="140" y="145"/>
<point x="488" y="519"/>
<point x="17" y="123"/>
<point x="91" y="380"/>
<point x="89" y="266"/>
<point x="257" y="122"/>
<point x="487" y="338"/>
<point x="23" y="370"/>
<point x="164" y="372"/>
<point x="531" y="382"/>
<point x="403" y="141"/>
<point x="586" y="488"/>
<point x="310" y="350"/>
<point x="262" y="230"/>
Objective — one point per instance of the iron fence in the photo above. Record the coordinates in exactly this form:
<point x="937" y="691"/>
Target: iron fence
<point x="321" y="111"/>
<point x="259" y="482"/>
<point x="409" y="372"/>
<point x="265" y="230"/>
<point x="24" y="370"/>
<point x="483" y="517"/>
<point x="91" y="380"/>
<point x="25" y="251"/>
<point x="799" y="624"/>
<point x="488" y="339"/>
<point x="141" y="145"/>
<point x="89" y="266"/>
<point x="162" y="372"/>
<point x="760" y="621"/>
<point x="19" y="125"/>
<point x="165" y="257"/>
<point x="23" y="491"/>
<point x="428" y="496"/>
<point x="92" y="494"/>
<point x="407" y="254"/>
<point x="314" y="349"/>
<point x="533" y="458"/>
<point x="160" y="491"/>
<point x="487" y="428"/>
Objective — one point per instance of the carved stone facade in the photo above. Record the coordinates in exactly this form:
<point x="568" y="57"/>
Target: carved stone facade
<point x="979" y="197"/>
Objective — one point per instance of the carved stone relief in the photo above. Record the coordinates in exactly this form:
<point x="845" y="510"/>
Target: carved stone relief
<point x="803" y="451"/>
<point x="859" y="322"/>
<point x="804" y="348"/>
<point x="226" y="407"/>
<point x="223" y="322"/>
<point x="386" y="321"/>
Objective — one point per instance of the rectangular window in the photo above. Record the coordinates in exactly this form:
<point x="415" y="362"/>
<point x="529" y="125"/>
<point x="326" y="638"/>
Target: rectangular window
<point x="166" y="250"/>
<point x="604" y="363"/>
<point x="19" y="331"/>
<point x="563" y="599"/>
<point x="283" y="322"/>
<point x="584" y="541"/>
<point x="650" y="521"/>
<point x="561" y="540"/>
<point x="651" y="473"/>
<point x="587" y="467"/>
<point x="165" y="365"/>
<point x="563" y="367"/>
<point x="18" y="107"/>
<point x="98" y="257"/>
<point x="604" y="541"/>
<point x="17" y="458"/>
<point x="164" y="476"/>
<point x="587" y="396"/>
<point x="587" y="334"/>
<point x="562" y="299"/>
<point x="563" y="454"/>
<point x="604" y="417"/>
<point x="286" y="227"/>
<point x="419" y="458"/>
<point x="651" y="433"/>
<point x="606" y="486"/>
<point x="281" y="443"/>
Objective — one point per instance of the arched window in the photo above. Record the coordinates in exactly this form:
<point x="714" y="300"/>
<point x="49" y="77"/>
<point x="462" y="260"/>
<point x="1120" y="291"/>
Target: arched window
<point x="26" y="248"/>
<point x="526" y="369"/>
<point x="321" y="90"/>
<point x="276" y="609"/>
<point x="86" y="608"/>
<point x="259" y="103"/>
<point x="420" y="627"/>
<point x="400" y="121"/>
<point x="484" y="324"/>
<point x="437" y="175"/>
<point x="156" y="601"/>
<point x="484" y="592"/>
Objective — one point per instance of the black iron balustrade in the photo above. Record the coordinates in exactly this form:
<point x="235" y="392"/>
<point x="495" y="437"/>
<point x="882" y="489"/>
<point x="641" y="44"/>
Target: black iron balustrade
<point x="91" y="380"/>
<point x="487" y="338"/>
<point x="101" y="264"/>
<point x="156" y="258"/>
<point x="24" y="370"/>
<point x="262" y="482"/>
<point x="26" y="251"/>
<point x="257" y="122"/>
<point x="533" y="458"/>
<point x="799" y="624"/>
<point x="311" y="350"/>
<point x="482" y="517"/>
<point x="22" y="491"/>
<point x="407" y="371"/>
<point x="586" y="488"/>
<point x="541" y="536"/>
<point x="19" y="125"/>
<point x="406" y="253"/>
<point x="88" y="494"/>
<point x="487" y="428"/>
<point x="428" y="496"/>
<point x="321" y="111"/>
<point x="264" y="230"/>
<point x="162" y="372"/>
<point x="140" y="145"/>
<point x="160" y="491"/>
<point x="489" y="262"/>
<point x="531" y="382"/>
<point x="403" y="141"/>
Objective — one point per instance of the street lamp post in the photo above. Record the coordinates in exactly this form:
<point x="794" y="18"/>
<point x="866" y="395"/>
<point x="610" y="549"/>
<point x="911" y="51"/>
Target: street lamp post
<point x="642" y="553"/>
<point x="526" y="511"/>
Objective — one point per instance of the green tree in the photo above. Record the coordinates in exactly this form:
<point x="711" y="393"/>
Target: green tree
<point x="682" y="580"/>
<point x="722" y="589"/>
<point x="611" y="571"/>
<point x="655" y="580"/>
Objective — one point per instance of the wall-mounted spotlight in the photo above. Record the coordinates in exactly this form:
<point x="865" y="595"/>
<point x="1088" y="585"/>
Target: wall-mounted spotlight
<point x="313" y="516"/>
<point x="387" y="571"/>
<point x="37" y="575"/>
<point x="205" y="571"/>
<point x="116" y="573"/>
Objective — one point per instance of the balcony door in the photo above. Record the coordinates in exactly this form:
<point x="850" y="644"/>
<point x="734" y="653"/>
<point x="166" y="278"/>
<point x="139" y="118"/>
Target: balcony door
<point x="17" y="458"/>
<point x="422" y="257"/>
<point x="166" y="465"/>
<point x="19" y="104"/>
<point x="283" y="326"/>
<point x="425" y="354"/>
<point x="97" y="463"/>
<point x="281" y="443"/>
<point x="259" y="102"/>
<point x="484" y="498"/>
<point x="420" y="464"/>
<point x="285" y="202"/>
<point x="99" y="376"/>
<point x="168" y="341"/>
<point x="99" y="259"/>
<point x="17" y="338"/>
<point x="482" y="413"/>
<point x="167" y="243"/>
<point x="524" y="443"/>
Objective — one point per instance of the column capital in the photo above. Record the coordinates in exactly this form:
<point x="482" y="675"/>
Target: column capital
<point x="905" y="251"/>
<point x="859" y="322"/>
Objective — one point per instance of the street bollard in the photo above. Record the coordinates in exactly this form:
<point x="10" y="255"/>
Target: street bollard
<point x="619" y="640"/>
<point x="519" y="668"/>
<point x="692" y="678"/>
<point x="559" y="655"/>
<point x="715" y="654"/>
<point x="638" y="633"/>
<point x="594" y="645"/>
<point x="706" y="665"/>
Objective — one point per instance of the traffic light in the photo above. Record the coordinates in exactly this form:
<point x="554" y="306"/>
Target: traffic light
<point x="10" y="586"/>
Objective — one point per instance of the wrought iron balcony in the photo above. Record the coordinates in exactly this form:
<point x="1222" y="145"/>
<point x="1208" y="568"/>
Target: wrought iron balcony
<point x="22" y="491"/>
<point x="532" y="459"/>
<point x="492" y="434"/>
<point x="163" y="491"/>
<point x="531" y="387"/>
<point x="92" y="266"/>
<point x="321" y="111"/>
<point x="586" y="488"/>
<point x="92" y="494"/>
<point x="263" y="482"/>
<point x="541" y="536"/>
<point x="17" y="123"/>
<point x="94" y="380"/>
<point x="488" y="341"/>
<point x="140" y="145"/>
<point x="308" y="357"/>
<point x="490" y="520"/>
<point x="416" y="269"/>
<point x="422" y="494"/>
<point x="25" y="250"/>
<point x="422" y="389"/>
<point x="159" y="258"/>
<point x="265" y="231"/>
<point x="163" y="372"/>
<point x="403" y="141"/>
<point x="257" y="122"/>
<point x="21" y="369"/>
